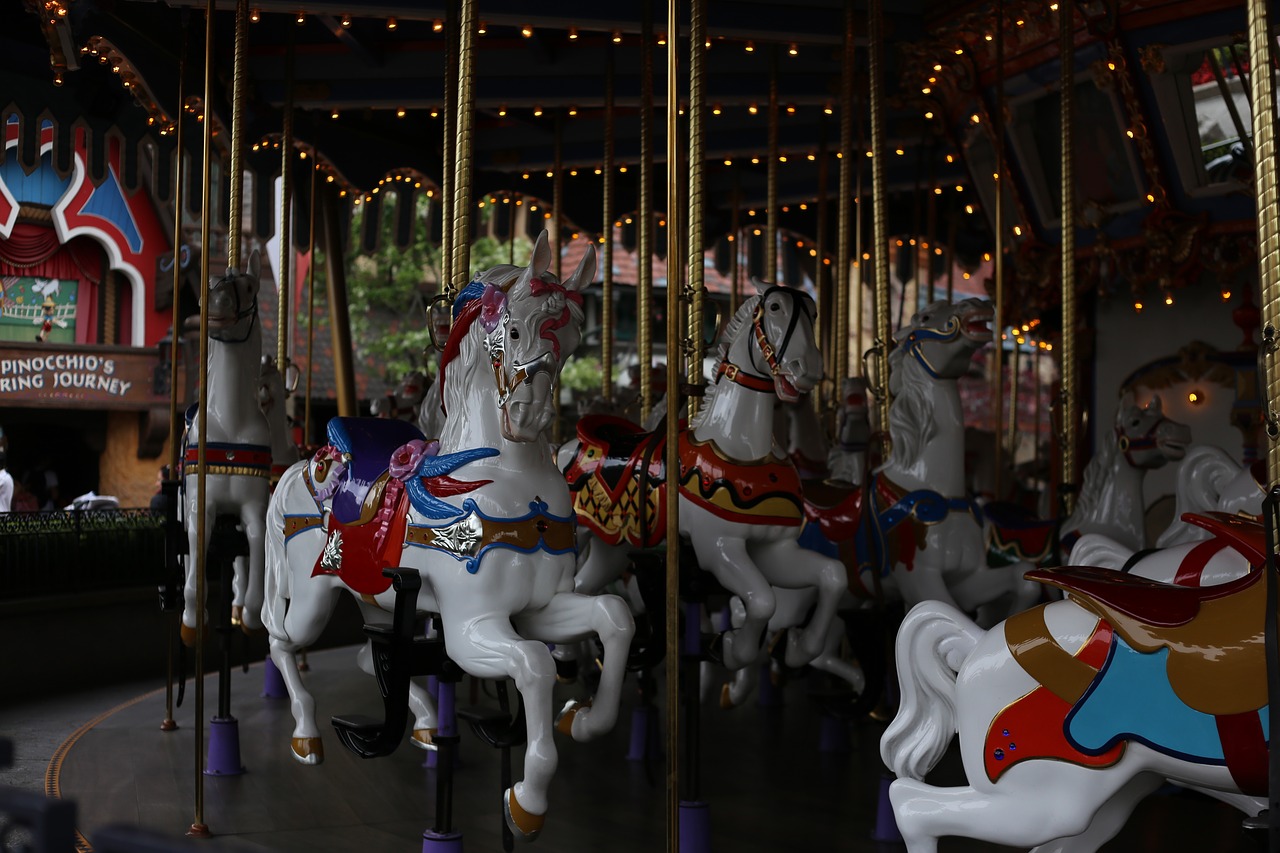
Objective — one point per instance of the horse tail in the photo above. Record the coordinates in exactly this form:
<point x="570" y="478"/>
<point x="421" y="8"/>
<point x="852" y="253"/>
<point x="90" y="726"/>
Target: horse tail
<point x="1094" y="549"/>
<point x="276" y="583"/>
<point x="933" y="643"/>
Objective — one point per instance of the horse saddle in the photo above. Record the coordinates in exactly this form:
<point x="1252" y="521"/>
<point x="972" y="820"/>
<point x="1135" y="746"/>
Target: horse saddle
<point x="1214" y="635"/>
<point x="366" y="445"/>
<point x="836" y="507"/>
<point x="616" y="477"/>
<point x="1015" y="533"/>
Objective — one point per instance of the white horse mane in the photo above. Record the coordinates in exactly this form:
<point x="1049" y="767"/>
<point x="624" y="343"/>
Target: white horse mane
<point x="1096" y="479"/>
<point x="911" y="415"/>
<point x="732" y="329"/>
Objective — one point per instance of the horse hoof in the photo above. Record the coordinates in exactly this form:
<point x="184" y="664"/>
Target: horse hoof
<point x="522" y="824"/>
<point x="237" y="616"/>
<point x="188" y="635"/>
<point x="564" y="720"/>
<point x="308" y="750"/>
<point x="424" y="739"/>
<point x="726" y="698"/>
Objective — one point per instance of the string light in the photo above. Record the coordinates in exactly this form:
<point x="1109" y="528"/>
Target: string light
<point x="437" y="26"/>
<point x="255" y="15"/>
<point x="753" y="109"/>
<point x="617" y="37"/>
<point x="573" y="33"/>
<point x="483" y="28"/>
<point x="526" y="31"/>
<point x="392" y="23"/>
<point x="502" y="110"/>
<point x="793" y="50"/>
<point x="346" y="21"/>
<point x="749" y="47"/>
<point x="400" y="113"/>
<point x="302" y="18"/>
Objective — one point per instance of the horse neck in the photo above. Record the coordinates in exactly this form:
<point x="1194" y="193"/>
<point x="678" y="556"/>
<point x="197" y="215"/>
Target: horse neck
<point x="939" y="465"/>
<point x="232" y="413"/>
<point x="1112" y="504"/>
<point x="478" y="423"/>
<point x="739" y="421"/>
<point x="282" y="448"/>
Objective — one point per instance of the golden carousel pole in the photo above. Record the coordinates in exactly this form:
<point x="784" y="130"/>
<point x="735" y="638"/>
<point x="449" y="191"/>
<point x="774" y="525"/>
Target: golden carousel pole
<point x="179" y="201"/>
<point x="697" y="268"/>
<point x="235" y="231"/>
<point x="1070" y="391"/>
<point x="644" y="218"/>
<point x="450" y="153"/>
<point x="674" y="279"/>
<point x="462" y="164"/>
<point x="735" y="238"/>
<point x="823" y="326"/>
<point x="557" y="222"/>
<point x="844" y="272"/>
<point x="199" y="829"/>
<point x="1268" y="225"/>
<point x="285" y="279"/>
<point x="606" y="297"/>
<point x="997" y="378"/>
<point x="880" y="224"/>
<point x="771" y="181"/>
<point x="311" y="300"/>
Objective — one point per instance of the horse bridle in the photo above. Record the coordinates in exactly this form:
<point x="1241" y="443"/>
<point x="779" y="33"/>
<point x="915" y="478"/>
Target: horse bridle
<point x="772" y="357"/>
<point x="239" y="313"/>
<point x="1146" y="441"/>
<point x="917" y="337"/>
<point x="495" y="344"/>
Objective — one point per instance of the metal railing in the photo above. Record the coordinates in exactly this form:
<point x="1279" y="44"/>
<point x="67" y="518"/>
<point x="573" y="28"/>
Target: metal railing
<point x="71" y="551"/>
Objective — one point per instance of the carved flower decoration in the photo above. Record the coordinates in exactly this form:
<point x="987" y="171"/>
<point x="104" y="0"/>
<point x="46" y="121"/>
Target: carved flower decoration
<point x="406" y="459"/>
<point x="492" y="305"/>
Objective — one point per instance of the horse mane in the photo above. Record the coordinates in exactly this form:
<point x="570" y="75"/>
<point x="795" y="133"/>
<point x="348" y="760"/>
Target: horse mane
<point x="911" y="413"/>
<point x="732" y="329"/>
<point x="462" y="375"/>
<point x="1095" y="478"/>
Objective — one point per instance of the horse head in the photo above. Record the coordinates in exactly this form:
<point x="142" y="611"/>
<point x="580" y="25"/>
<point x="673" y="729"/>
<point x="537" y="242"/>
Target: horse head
<point x="528" y="324"/>
<point x="854" y="418"/>
<point x="233" y="303"/>
<point x="271" y="386"/>
<point x="1146" y="437"/>
<point x="781" y="349"/>
<point x="943" y="337"/>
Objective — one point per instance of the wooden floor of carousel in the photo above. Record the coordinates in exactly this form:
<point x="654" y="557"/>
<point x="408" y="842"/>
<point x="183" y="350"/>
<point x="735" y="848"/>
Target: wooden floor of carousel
<point x="769" y="782"/>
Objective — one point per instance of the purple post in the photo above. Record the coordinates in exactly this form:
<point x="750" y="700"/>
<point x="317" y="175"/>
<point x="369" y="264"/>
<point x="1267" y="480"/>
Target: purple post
<point x="224" y="748"/>
<point x="441" y="842"/>
<point x="692" y="629"/>
<point x="726" y="618"/>
<point x="273" y="682"/>
<point x="433" y="686"/>
<point x="767" y="694"/>
<point x="695" y="827"/>
<point x="446" y="720"/>
<point x="886" y="828"/>
<point x="640" y="717"/>
<point x="834" y="735"/>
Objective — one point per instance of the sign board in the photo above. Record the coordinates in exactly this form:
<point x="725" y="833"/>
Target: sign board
<point x="79" y="377"/>
<point x="22" y="311"/>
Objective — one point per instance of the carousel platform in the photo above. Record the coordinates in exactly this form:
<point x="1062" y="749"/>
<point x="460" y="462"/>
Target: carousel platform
<point x="774" y="777"/>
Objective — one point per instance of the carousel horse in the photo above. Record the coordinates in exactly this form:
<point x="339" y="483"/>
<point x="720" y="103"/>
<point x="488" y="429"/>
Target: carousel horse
<point x="1070" y="713"/>
<point x="483" y="515"/>
<point x="238" y="449"/>
<point x="404" y="401"/>
<point x="847" y="459"/>
<point x="1211" y="480"/>
<point x="921" y="538"/>
<point x="740" y="500"/>
<point x="1110" y="501"/>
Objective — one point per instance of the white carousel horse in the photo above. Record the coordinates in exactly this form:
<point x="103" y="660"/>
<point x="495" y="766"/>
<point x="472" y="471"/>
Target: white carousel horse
<point x="404" y="401"/>
<point x="740" y="501"/>
<point x="923" y="539"/>
<point x="484" y="516"/>
<point x="238" y="452"/>
<point x="847" y="459"/>
<point x="1070" y="713"/>
<point x="799" y="432"/>
<point x="1110" y="501"/>
<point x="1210" y="480"/>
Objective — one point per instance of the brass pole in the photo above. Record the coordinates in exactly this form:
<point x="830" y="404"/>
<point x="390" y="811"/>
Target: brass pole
<point x="697" y="267"/>
<point x="735" y="243"/>
<point x="1070" y="391"/>
<point x="236" y="229"/>
<point x="465" y="142"/>
<point x="644" y="216"/>
<point x="997" y="378"/>
<point x="931" y="234"/>
<point x="311" y="300"/>
<point x="1035" y="367"/>
<point x="1268" y="227"/>
<point x="844" y="272"/>
<point x="825" y="326"/>
<point x="199" y="828"/>
<point x="606" y="297"/>
<point x="179" y="202"/>
<point x="339" y="315"/>
<point x="771" y="203"/>
<point x="951" y="258"/>
<point x="285" y="280"/>
<point x="557" y="193"/>
<point x="1013" y="401"/>
<point x="880" y="225"/>
<point x="450" y="152"/>
<point x="674" y="279"/>
<point x="856" y="289"/>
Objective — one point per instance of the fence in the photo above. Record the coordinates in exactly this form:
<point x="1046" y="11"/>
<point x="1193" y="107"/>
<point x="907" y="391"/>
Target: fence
<point x="70" y="551"/>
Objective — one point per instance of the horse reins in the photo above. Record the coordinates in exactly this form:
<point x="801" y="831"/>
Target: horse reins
<point x="238" y="313"/>
<point x="948" y="333"/>
<point x="1146" y="441"/>
<point x="755" y="381"/>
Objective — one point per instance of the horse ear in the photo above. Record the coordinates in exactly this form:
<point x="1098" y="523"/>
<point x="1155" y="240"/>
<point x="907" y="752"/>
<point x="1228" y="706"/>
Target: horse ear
<point x="540" y="260"/>
<point x="761" y="285"/>
<point x="586" y="271"/>
<point x="255" y="264"/>
<point x="1155" y="405"/>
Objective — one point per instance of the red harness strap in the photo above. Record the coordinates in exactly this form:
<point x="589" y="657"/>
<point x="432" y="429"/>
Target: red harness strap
<point x="741" y="377"/>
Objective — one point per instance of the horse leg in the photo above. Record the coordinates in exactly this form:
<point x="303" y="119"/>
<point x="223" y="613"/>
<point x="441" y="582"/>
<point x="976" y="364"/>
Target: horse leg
<point x="830" y="661"/>
<point x="310" y="607"/>
<point x="485" y="645"/>
<point x="253" y="518"/>
<point x="602" y="565"/>
<point x="420" y="701"/>
<point x="788" y="565"/>
<point x="1109" y="820"/>
<point x="728" y="560"/>
<point x="566" y="618"/>
<point x="192" y="606"/>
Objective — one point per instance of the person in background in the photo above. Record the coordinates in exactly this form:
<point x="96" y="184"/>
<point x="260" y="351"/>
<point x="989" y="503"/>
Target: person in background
<point x="6" y="483"/>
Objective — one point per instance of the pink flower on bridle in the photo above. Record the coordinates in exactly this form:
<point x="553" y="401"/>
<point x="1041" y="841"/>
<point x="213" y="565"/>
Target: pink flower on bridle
<point x="492" y="306"/>
<point x="556" y="294"/>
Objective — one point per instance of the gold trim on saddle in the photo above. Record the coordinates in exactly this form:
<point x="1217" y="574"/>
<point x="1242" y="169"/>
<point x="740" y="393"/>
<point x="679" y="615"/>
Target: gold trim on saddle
<point x="295" y="524"/>
<point x="192" y="469"/>
<point x="470" y="535"/>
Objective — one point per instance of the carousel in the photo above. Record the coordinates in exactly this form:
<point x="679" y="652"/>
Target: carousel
<point x="957" y="326"/>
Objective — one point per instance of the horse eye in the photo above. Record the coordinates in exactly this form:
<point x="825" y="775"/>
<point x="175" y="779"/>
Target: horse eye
<point x="1135" y="423"/>
<point x="774" y="307"/>
<point x="515" y="334"/>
